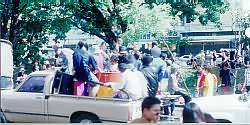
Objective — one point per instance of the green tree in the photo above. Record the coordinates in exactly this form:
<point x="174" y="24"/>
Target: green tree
<point x="28" y="25"/>
<point x="143" y="19"/>
<point x="203" y="10"/>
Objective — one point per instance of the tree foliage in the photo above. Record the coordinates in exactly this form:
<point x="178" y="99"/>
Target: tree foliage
<point x="28" y="24"/>
<point x="203" y="10"/>
<point x="30" y="28"/>
<point x="143" y="19"/>
<point x="37" y="22"/>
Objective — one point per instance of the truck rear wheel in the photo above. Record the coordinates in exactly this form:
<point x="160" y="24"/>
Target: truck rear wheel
<point x="85" y="118"/>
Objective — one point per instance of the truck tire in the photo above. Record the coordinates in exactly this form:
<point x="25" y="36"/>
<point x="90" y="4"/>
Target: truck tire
<point x="85" y="118"/>
<point x="2" y="117"/>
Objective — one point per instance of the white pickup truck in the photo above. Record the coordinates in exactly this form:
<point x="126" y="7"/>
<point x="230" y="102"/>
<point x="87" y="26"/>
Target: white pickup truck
<point x="227" y="108"/>
<point x="33" y="101"/>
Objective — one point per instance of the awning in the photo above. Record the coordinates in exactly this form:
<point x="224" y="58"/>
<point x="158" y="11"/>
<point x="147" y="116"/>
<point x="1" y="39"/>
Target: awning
<point x="210" y="41"/>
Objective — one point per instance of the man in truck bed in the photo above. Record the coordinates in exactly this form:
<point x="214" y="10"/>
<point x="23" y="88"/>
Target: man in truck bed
<point x="82" y="62"/>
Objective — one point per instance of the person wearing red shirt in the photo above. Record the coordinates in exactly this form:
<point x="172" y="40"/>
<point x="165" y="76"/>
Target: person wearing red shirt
<point x="201" y="81"/>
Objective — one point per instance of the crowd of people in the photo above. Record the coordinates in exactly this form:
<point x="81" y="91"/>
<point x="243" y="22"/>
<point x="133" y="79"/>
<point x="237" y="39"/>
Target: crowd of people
<point x="207" y="83"/>
<point x="214" y="59"/>
<point x="144" y="76"/>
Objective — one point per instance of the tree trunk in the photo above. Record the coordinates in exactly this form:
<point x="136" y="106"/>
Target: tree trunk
<point x="4" y="20"/>
<point x="14" y="22"/>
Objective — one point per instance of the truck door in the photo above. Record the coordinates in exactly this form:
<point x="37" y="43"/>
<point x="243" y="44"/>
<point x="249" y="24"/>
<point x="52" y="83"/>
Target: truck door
<point x="28" y="101"/>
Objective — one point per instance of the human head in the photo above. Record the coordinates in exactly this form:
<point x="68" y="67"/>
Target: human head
<point x="147" y="60"/>
<point x="192" y="113"/>
<point x="114" y="59"/>
<point x="156" y="52"/>
<point x="80" y="44"/>
<point x="123" y="50"/>
<point x="209" y="69"/>
<point x="174" y="70"/>
<point x="103" y="45"/>
<point x="59" y="52"/>
<point x="55" y="47"/>
<point x="22" y="69"/>
<point x="200" y="67"/>
<point x="137" y="56"/>
<point x="122" y="67"/>
<point x="136" y="47"/>
<point x="151" y="108"/>
<point x="154" y="44"/>
<point x="119" y="41"/>
<point x="226" y="65"/>
<point x="163" y="56"/>
<point x="248" y="65"/>
<point x="36" y="62"/>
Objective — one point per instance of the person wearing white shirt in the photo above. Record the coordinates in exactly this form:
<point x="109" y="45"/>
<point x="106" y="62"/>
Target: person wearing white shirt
<point x="133" y="82"/>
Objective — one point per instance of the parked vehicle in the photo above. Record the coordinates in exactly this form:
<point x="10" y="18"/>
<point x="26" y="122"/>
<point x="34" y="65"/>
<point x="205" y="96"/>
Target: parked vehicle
<point x="6" y="65"/>
<point x="34" y="101"/>
<point x="226" y="108"/>
<point x="185" y="58"/>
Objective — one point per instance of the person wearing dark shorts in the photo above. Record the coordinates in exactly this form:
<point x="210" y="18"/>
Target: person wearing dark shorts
<point x="225" y="75"/>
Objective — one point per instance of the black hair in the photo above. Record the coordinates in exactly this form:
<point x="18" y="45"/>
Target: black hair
<point x="226" y="64"/>
<point x="146" y="60"/>
<point x="154" y="44"/>
<point x="163" y="56"/>
<point x="122" y="67"/>
<point x="137" y="56"/>
<point x="86" y="46"/>
<point x="114" y="58"/>
<point x="123" y="59"/>
<point x="192" y="113"/>
<point x="148" y="102"/>
<point x="80" y="44"/>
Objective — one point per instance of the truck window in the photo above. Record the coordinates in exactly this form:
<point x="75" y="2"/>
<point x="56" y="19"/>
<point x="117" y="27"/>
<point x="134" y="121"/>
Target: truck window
<point x="34" y="84"/>
<point x="6" y="82"/>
